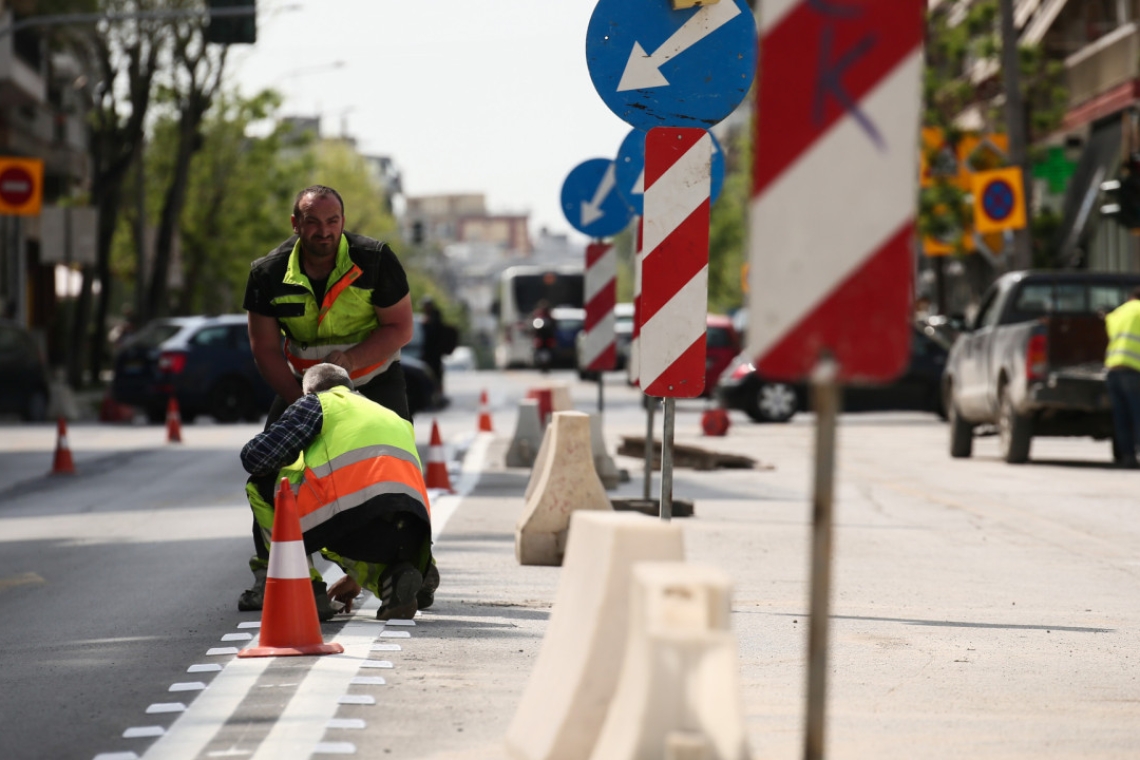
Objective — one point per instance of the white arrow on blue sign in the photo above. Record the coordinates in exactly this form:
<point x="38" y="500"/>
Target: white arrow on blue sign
<point x="630" y="170"/>
<point x="658" y="67"/>
<point x="590" y="199"/>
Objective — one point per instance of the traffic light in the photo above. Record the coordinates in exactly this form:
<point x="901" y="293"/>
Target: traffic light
<point x="237" y="25"/>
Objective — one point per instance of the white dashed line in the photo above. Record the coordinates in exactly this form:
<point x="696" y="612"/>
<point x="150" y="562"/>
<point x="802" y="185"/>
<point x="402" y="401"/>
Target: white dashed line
<point x="386" y="648"/>
<point x="204" y="668"/>
<point x="215" y="651"/>
<point x="367" y="681"/>
<point x="335" y="748"/>
<point x="165" y="707"/>
<point x="375" y="664"/>
<point x="347" y="723"/>
<point x="143" y="731"/>
<point x="238" y="637"/>
<point x="187" y="686"/>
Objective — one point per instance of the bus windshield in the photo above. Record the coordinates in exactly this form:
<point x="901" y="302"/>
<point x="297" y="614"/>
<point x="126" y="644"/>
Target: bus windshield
<point x="556" y="289"/>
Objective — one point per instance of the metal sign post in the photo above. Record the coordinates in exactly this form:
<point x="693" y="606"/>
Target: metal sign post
<point x="825" y="402"/>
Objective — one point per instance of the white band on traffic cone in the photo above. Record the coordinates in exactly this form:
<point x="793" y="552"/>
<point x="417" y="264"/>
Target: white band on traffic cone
<point x="287" y="561"/>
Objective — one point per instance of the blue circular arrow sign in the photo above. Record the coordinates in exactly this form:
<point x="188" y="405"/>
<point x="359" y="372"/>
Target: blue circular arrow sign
<point x="630" y="167"/>
<point x="590" y="199"/>
<point x="658" y="67"/>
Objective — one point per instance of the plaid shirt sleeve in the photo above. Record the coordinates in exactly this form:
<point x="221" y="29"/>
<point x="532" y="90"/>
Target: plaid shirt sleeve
<point x="279" y="445"/>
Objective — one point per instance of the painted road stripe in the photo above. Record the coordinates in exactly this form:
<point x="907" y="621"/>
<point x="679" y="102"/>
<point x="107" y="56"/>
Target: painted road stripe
<point x="205" y="668"/>
<point x="367" y="681"/>
<point x="400" y="621"/>
<point x="335" y="748"/>
<point x="215" y="651"/>
<point x="250" y="624"/>
<point x="188" y="686"/>
<point x="348" y="723"/>
<point x="139" y="732"/>
<point x="237" y="637"/>
<point x="165" y="707"/>
<point x="116" y="756"/>
<point x="376" y="664"/>
<point x="395" y="635"/>
<point x="386" y="647"/>
<point x="23" y="579"/>
<point x="344" y="699"/>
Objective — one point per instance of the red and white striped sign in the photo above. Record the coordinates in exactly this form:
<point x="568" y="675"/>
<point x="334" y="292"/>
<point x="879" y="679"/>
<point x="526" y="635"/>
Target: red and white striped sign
<point x="633" y="368"/>
<point x="832" y="217"/>
<point x="675" y="265"/>
<point x="599" y="349"/>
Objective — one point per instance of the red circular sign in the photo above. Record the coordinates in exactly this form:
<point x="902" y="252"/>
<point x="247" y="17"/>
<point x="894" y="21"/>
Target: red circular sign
<point x="16" y="186"/>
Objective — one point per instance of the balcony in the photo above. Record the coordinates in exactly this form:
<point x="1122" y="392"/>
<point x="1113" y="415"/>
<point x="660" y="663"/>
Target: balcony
<point x="21" y="83"/>
<point x="1103" y="65"/>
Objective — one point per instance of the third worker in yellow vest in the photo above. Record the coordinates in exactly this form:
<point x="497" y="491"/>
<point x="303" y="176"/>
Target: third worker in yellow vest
<point x="1123" y="362"/>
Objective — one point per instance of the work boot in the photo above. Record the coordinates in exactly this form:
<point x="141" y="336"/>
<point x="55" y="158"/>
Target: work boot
<point x="252" y="599"/>
<point x="425" y="597"/>
<point x="398" y="588"/>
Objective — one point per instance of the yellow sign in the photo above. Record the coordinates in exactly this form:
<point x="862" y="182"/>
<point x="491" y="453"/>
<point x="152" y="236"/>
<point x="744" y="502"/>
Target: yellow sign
<point x="999" y="200"/>
<point x="21" y="186"/>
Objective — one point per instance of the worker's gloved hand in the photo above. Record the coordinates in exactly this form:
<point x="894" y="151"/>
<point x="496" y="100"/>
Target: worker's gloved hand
<point x="345" y="591"/>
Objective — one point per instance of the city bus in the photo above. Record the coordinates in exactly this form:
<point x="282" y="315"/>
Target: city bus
<point x="520" y="290"/>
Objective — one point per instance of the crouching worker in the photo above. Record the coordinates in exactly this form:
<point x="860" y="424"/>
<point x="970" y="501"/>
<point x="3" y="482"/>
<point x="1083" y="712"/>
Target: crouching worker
<point x="360" y="493"/>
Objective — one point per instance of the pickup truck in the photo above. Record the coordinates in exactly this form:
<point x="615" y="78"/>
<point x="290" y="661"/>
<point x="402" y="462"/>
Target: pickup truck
<point x="1030" y="363"/>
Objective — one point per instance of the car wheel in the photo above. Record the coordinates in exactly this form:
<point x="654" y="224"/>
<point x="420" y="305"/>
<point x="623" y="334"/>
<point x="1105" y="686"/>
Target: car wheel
<point x="773" y="402"/>
<point x="961" y="434"/>
<point x="230" y="400"/>
<point x="1015" y="432"/>
<point x="36" y="407"/>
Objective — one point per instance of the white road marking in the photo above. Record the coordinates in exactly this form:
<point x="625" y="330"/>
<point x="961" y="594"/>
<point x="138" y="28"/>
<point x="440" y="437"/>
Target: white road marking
<point x="395" y="635"/>
<point x="237" y="637"/>
<point x="143" y="731"/>
<point x="348" y="699"/>
<point x="214" y="651"/>
<point x="250" y="624"/>
<point x="335" y="748"/>
<point x="205" y="668"/>
<point x="367" y="681"/>
<point x="386" y="647"/>
<point x="376" y="664"/>
<point x="347" y="723"/>
<point x="165" y="707"/>
<point x="187" y="686"/>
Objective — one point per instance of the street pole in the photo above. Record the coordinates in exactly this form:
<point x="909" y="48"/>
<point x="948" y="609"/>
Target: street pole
<point x="1022" y="254"/>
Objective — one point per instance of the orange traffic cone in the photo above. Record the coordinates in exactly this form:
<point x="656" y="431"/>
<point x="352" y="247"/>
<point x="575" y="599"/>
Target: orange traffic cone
<point x="289" y="622"/>
<point x="173" y="422"/>
<point x="62" y="464"/>
<point x="437" y="476"/>
<point x="484" y="414"/>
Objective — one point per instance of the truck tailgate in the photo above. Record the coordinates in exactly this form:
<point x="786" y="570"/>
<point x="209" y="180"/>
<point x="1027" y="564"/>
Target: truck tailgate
<point x="1076" y="339"/>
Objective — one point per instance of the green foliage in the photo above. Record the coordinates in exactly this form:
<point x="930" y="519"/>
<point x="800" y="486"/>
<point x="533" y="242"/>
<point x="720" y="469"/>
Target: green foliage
<point x="728" y="225"/>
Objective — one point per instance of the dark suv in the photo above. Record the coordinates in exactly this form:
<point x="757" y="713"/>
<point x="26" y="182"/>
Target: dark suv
<point x="206" y="362"/>
<point x="23" y="374"/>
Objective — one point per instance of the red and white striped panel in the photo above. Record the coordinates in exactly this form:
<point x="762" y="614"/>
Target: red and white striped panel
<point x="832" y="217"/>
<point x="633" y="368"/>
<point x="675" y="265"/>
<point x="599" y="349"/>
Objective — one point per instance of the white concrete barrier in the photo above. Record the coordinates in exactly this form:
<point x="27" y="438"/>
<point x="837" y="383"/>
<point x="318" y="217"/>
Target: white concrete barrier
<point x="679" y="691"/>
<point x="528" y="435"/>
<point x="565" y="702"/>
<point x="560" y="398"/>
<point x="566" y="482"/>
<point x="603" y="463"/>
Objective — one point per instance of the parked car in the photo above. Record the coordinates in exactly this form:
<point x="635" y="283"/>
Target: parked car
<point x="722" y="344"/>
<point x="1031" y="363"/>
<point x="918" y="388"/>
<point x="568" y="323"/>
<point x="205" y="362"/>
<point x="24" y="386"/>
<point x="424" y="391"/>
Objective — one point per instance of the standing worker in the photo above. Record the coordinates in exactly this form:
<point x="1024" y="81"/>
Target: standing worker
<point x="1123" y="362"/>
<point x="336" y="297"/>
<point x="440" y="338"/>
<point x="360" y="492"/>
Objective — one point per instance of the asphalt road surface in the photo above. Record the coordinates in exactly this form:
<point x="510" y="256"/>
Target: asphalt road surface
<point x="979" y="609"/>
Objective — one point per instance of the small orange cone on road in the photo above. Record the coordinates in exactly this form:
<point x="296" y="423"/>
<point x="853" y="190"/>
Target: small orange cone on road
<point x="62" y="464"/>
<point x="289" y="622"/>
<point x="437" y="476"/>
<point x="173" y="422"/>
<point x="484" y="414"/>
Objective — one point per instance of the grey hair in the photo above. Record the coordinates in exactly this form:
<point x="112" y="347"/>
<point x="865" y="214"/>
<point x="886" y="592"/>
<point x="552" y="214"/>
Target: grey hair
<point x="322" y="377"/>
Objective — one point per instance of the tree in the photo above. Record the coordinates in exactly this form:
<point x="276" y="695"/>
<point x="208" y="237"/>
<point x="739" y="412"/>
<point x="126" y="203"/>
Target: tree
<point x="122" y="59"/>
<point x="196" y="77"/>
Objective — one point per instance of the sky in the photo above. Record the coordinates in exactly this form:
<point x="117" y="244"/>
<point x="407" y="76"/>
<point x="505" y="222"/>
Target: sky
<point x="465" y="97"/>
